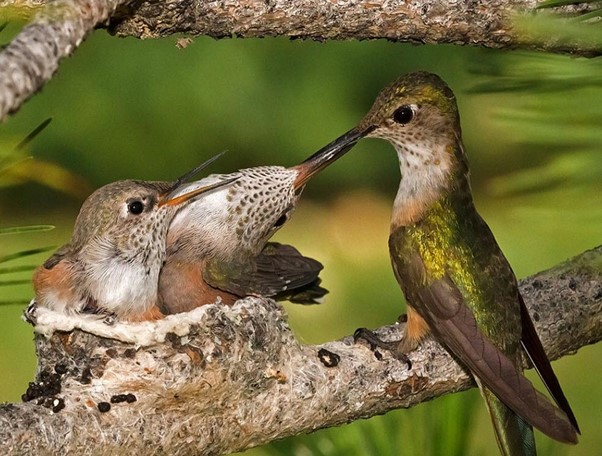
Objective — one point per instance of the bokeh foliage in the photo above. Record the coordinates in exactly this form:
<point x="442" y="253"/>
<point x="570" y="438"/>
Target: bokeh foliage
<point x="124" y="108"/>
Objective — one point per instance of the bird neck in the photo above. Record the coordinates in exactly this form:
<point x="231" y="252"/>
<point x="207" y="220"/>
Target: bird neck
<point x="431" y="178"/>
<point x="122" y="280"/>
<point x="445" y="227"/>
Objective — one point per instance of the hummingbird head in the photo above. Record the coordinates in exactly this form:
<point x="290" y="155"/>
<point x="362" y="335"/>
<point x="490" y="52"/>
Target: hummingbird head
<point x="136" y="214"/>
<point x="418" y="115"/>
<point x="121" y="211"/>
<point x="119" y="240"/>
<point x="239" y="220"/>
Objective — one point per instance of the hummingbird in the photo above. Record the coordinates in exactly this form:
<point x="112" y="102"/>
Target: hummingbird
<point x="217" y="246"/>
<point x="112" y="263"/>
<point x="458" y="285"/>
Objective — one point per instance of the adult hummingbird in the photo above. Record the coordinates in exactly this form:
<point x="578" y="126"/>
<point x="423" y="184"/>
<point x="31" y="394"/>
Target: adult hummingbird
<point x="217" y="246"/>
<point x="111" y="265"/>
<point x="457" y="283"/>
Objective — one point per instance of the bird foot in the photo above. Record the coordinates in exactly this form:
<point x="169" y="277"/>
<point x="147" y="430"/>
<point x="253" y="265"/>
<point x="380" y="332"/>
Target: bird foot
<point x="376" y="342"/>
<point x="30" y="312"/>
<point x="110" y="319"/>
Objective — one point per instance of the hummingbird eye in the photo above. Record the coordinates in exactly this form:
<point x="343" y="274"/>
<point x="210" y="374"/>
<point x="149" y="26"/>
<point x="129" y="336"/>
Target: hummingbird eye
<point x="403" y="115"/>
<point x="135" y="207"/>
<point x="281" y="221"/>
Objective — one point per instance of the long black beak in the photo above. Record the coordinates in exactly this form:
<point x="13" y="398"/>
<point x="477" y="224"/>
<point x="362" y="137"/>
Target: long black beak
<point x="193" y="172"/>
<point x="176" y="194"/>
<point x="327" y="155"/>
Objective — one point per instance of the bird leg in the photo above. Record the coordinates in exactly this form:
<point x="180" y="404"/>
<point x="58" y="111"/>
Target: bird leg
<point x="396" y="348"/>
<point x="416" y="329"/>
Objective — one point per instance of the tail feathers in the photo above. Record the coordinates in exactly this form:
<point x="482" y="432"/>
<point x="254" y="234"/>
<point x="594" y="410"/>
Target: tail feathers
<point x="312" y="293"/>
<point x="536" y="353"/>
<point x="497" y="372"/>
<point x="513" y="434"/>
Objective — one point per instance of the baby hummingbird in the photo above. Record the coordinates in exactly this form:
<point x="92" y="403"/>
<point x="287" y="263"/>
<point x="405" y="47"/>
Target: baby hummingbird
<point x="111" y="265"/>
<point x="218" y="246"/>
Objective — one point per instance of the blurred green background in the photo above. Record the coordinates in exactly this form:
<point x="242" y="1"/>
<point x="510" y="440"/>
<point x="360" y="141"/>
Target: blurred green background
<point x="124" y="108"/>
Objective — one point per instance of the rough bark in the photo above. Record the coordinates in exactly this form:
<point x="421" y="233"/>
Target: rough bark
<point x="222" y="379"/>
<point x="473" y="22"/>
<point x="59" y="26"/>
<point x="33" y="56"/>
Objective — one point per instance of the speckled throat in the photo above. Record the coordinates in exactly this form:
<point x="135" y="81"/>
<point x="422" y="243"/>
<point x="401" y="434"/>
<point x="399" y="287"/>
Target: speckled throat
<point x="122" y="274"/>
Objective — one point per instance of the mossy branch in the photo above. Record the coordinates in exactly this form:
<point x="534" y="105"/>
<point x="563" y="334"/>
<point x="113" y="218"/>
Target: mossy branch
<point x="58" y="27"/>
<point x="488" y="23"/>
<point x="222" y="379"/>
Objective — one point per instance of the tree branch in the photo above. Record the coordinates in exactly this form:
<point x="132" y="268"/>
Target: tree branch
<point x="33" y="56"/>
<point x="222" y="379"/>
<point x="60" y="26"/>
<point x="488" y="23"/>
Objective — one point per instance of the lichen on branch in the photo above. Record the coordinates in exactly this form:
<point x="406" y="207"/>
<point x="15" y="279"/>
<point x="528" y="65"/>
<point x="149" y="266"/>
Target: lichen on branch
<point x="222" y="378"/>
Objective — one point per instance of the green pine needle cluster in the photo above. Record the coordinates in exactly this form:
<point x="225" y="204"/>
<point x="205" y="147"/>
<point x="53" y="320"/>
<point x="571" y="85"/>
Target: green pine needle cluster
<point x="12" y="271"/>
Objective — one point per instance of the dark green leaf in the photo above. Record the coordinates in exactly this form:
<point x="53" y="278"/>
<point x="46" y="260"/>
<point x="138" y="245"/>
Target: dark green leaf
<point x="26" y="229"/>
<point x="5" y="283"/>
<point x="14" y="302"/>
<point x="557" y="3"/>
<point x="35" y="132"/>
<point x="597" y="13"/>
<point x="24" y="268"/>
<point x="24" y="253"/>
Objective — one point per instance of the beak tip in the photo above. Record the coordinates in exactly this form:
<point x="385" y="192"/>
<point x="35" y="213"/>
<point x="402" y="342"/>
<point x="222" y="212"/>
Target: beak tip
<point x="326" y="156"/>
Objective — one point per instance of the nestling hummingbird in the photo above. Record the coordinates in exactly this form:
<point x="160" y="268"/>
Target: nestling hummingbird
<point x="217" y="246"/>
<point x="111" y="265"/>
<point x="457" y="283"/>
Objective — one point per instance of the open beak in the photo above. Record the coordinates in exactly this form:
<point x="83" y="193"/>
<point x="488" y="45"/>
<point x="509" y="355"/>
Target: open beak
<point x="326" y="155"/>
<point x="193" y="172"/>
<point x="175" y="196"/>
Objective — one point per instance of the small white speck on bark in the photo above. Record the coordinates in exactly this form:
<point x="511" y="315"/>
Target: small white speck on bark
<point x="58" y="27"/>
<point x="222" y="378"/>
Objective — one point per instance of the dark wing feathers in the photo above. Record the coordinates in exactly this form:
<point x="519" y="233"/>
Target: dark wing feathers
<point x="279" y="271"/>
<point x="57" y="256"/>
<point x="284" y="267"/>
<point x="456" y="328"/>
<point x="534" y="349"/>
